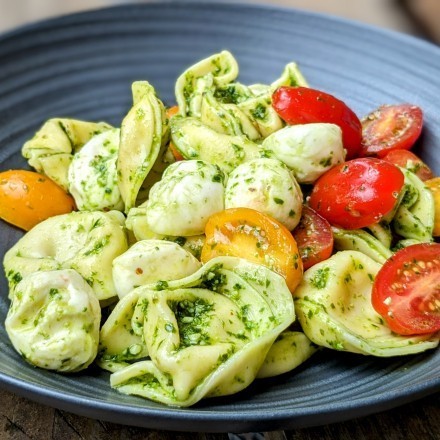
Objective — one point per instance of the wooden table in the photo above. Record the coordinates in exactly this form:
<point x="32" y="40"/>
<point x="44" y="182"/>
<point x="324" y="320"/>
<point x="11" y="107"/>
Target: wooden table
<point x="21" y="419"/>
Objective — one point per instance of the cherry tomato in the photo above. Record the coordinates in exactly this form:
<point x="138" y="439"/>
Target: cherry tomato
<point x="391" y="127"/>
<point x="302" y="105"/>
<point x="250" y="234"/>
<point x="406" y="291"/>
<point x="314" y="237"/>
<point x="357" y="193"/>
<point x="407" y="159"/>
<point x="27" y="198"/>
<point x="434" y="186"/>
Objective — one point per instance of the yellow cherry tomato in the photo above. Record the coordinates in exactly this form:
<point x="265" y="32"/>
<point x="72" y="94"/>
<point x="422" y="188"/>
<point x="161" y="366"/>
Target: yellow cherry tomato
<point x="434" y="186"/>
<point x="250" y="234"/>
<point x="27" y="198"/>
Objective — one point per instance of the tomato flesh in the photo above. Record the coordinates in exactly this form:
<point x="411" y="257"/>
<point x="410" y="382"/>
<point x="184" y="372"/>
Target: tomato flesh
<point x="406" y="291"/>
<point x="357" y="193"/>
<point x="303" y="105"/>
<point x="27" y="198"/>
<point x="314" y="237"/>
<point x="391" y="127"/>
<point x="250" y="234"/>
<point x="407" y="159"/>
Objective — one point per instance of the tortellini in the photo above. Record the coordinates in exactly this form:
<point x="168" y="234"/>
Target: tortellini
<point x="92" y="174"/>
<point x="221" y="67"/>
<point x="144" y="131"/>
<point x="309" y="150"/>
<point x="52" y="148"/>
<point x="186" y="196"/>
<point x="333" y="304"/>
<point x="194" y="140"/>
<point x="268" y="186"/>
<point x="151" y="261"/>
<point x="85" y="241"/>
<point x="54" y="319"/>
<point x="207" y="334"/>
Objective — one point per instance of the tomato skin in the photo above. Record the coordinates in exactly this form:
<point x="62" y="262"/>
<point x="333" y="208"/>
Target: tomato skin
<point x="434" y="186"/>
<point x="407" y="159"/>
<point x="27" y="198"/>
<point x="391" y="127"/>
<point x="250" y="234"/>
<point x="406" y="291"/>
<point x="314" y="237"/>
<point x="303" y="105"/>
<point x="357" y="193"/>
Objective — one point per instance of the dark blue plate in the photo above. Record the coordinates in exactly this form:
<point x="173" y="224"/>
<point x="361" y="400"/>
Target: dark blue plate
<point x="82" y="66"/>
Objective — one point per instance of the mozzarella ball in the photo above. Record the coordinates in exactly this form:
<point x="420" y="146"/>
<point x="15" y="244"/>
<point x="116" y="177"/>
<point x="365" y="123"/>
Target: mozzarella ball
<point x="309" y="150"/>
<point x="187" y="195"/>
<point x="268" y="186"/>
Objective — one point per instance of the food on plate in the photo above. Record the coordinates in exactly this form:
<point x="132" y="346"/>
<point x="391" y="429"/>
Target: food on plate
<point x="54" y="319"/>
<point x="250" y="234"/>
<point x="27" y="198"/>
<point x="52" y="148"/>
<point x="406" y="290"/>
<point x="226" y="238"/>
<point x="151" y="261"/>
<point x="391" y="127"/>
<point x="304" y="105"/>
<point x="226" y="315"/>
<point x="268" y="186"/>
<point x="187" y="195"/>
<point x="333" y="304"/>
<point x="357" y="193"/>
<point x="85" y="241"/>
<point x="434" y="186"/>
<point x="300" y="147"/>
<point x="92" y="174"/>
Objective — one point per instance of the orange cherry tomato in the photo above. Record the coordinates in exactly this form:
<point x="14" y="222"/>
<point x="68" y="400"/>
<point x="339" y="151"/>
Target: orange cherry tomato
<point x="27" y="198"/>
<point x="434" y="186"/>
<point x="171" y="111"/>
<point x="250" y="234"/>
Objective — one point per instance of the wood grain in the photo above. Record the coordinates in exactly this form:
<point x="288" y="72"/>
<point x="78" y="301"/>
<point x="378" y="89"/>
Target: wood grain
<point x="21" y="419"/>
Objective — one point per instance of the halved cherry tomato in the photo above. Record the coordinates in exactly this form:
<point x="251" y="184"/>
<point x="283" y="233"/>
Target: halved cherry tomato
<point x="171" y="111"/>
<point x="302" y="105"/>
<point x="250" y="234"/>
<point x="407" y="159"/>
<point x="27" y="198"/>
<point x="406" y="291"/>
<point x="391" y="127"/>
<point x="314" y="237"/>
<point x="434" y="186"/>
<point x="357" y="193"/>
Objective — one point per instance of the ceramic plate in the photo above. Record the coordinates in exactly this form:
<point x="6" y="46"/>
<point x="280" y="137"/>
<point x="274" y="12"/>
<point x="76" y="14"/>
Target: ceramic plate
<point x="82" y="66"/>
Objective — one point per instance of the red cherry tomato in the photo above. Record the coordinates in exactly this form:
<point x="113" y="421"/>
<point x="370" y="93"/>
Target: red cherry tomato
<point x="314" y="237"/>
<point x="406" y="291"/>
<point x="391" y="127"/>
<point x="407" y="159"/>
<point x="302" y="105"/>
<point x="357" y="193"/>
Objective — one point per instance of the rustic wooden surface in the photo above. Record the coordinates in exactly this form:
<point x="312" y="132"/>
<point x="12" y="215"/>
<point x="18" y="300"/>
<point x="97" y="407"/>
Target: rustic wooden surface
<point x="22" y="419"/>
